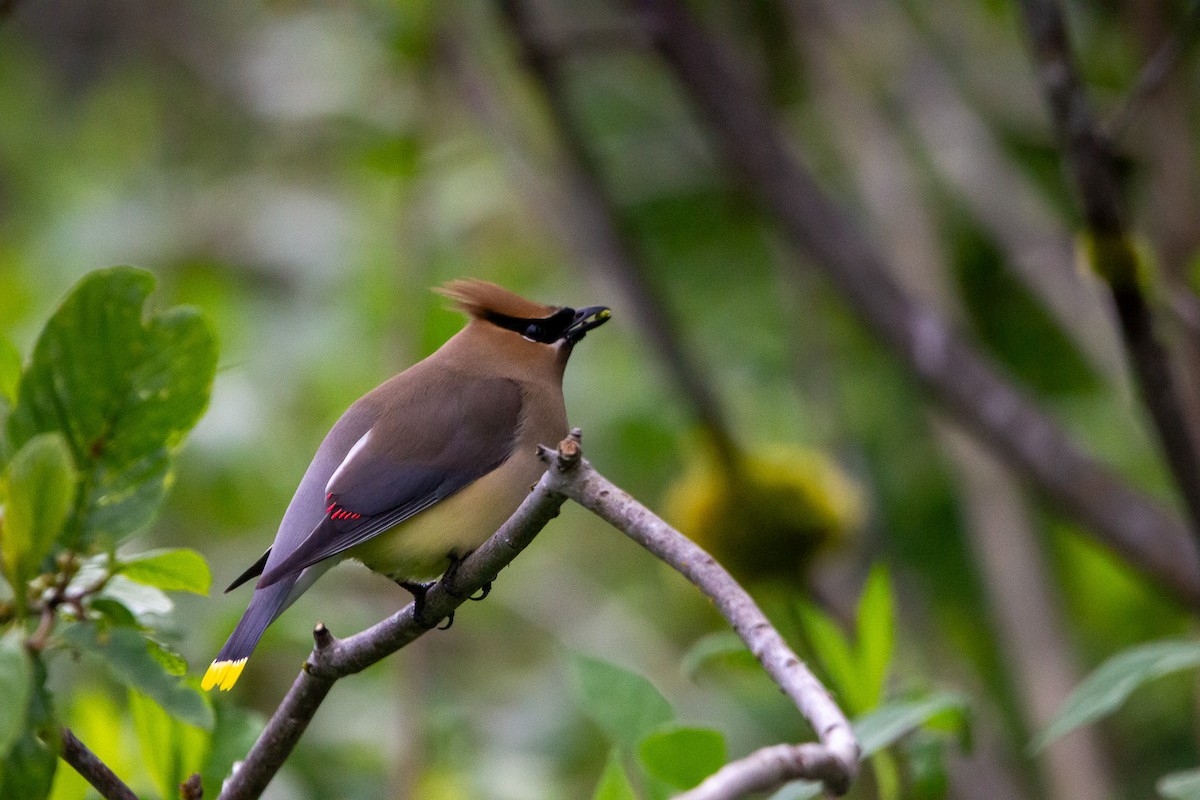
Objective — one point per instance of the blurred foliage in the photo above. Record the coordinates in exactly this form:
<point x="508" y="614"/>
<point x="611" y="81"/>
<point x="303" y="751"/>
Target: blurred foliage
<point x="303" y="173"/>
<point x="769" y="516"/>
<point x="101" y="405"/>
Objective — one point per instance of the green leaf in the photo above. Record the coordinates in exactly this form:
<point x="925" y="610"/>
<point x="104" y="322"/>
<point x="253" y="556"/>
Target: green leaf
<point x="683" y="757"/>
<point x="5" y="444"/>
<point x="1103" y="691"/>
<point x="112" y="613"/>
<point x="170" y="749"/>
<point x="178" y="570"/>
<point x="154" y="734"/>
<point x="1180" y="785"/>
<point x="234" y="733"/>
<point x="41" y="490"/>
<point x="122" y="388"/>
<point x="614" y="783"/>
<point x="10" y="369"/>
<point x="27" y="770"/>
<point x="624" y="704"/>
<point x="144" y="602"/>
<point x="834" y="653"/>
<point x="885" y="726"/>
<point x="168" y="659"/>
<point x="876" y="635"/>
<point x="16" y="676"/>
<point x="100" y="722"/>
<point x="126" y="654"/>
<point x="721" y="647"/>
<point x="928" y="778"/>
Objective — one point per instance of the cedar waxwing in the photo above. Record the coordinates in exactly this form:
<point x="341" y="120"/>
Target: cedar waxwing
<point x="423" y="469"/>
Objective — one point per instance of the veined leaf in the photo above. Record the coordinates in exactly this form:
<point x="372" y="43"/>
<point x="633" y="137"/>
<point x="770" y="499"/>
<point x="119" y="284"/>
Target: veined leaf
<point x="123" y="388"/>
<point x="126" y="654"/>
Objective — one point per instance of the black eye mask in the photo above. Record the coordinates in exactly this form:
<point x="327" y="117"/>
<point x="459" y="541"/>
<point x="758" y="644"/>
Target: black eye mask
<point x="566" y="323"/>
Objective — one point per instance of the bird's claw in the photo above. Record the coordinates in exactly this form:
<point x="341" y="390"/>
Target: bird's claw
<point x="418" y="590"/>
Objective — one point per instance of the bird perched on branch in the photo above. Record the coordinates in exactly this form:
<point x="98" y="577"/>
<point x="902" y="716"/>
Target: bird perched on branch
<point x="423" y="469"/>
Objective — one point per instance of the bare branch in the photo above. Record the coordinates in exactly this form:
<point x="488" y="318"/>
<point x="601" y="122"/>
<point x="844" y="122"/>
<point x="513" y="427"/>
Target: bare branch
<point x="766" y="769"/>
<point x="1090" y="161"/>
<point x="94" y="771"/>
<point x="962" y="380"/>
<point x="835" y="760"/>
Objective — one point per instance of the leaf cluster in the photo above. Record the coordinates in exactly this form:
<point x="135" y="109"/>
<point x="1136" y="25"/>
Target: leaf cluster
<point x="654" y="755"/>
<point x="89" y="426"/>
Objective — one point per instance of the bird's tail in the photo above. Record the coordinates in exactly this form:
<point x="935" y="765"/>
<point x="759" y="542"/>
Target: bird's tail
<point x="265" y="606"/>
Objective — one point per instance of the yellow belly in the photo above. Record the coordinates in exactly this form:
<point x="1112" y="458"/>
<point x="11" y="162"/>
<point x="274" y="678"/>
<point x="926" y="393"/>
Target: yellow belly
<point x="418" y="548"/>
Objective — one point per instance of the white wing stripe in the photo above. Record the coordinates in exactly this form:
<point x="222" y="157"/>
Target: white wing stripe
<point x="349" y="456"/>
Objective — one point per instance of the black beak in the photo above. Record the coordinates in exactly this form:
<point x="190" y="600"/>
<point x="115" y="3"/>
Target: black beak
<point x="586" y="319"/>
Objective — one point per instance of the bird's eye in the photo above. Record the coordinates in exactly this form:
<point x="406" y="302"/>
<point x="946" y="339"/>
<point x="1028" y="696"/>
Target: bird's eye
<point x="534" y="333"/>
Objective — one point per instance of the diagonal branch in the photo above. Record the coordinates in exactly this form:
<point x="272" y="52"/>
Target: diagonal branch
<point x="954" y="373"/>
<point x="93" y="770"/>
<point x="833" y="761"/>
<point x="1093" y="169"/>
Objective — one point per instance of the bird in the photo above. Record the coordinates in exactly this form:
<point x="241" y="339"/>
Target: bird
<point x="421" y="470"/>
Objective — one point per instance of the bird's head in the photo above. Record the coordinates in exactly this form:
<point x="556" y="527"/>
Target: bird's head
<point x="558" y="326"/>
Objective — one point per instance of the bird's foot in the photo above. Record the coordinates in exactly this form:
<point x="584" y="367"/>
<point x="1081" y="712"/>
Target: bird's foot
<point x="451" y="574"/>
<point x="418" y="590"/>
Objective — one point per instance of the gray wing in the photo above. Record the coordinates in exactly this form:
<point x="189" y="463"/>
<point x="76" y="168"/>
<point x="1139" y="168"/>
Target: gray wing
<point x="421" y="446"/>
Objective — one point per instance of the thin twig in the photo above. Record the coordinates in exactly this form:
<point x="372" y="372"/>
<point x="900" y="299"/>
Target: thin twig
<point x="955" y="374"/>
<point x="94" y="771"/>
<point x="1093" y="168"/>
<point x="835" y="761"/>
<point x="764" y="770"/>
<point x="1155" y="72"/>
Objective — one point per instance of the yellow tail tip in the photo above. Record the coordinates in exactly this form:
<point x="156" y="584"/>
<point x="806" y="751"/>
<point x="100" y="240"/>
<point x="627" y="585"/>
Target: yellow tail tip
<point x="223" y="674"/>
